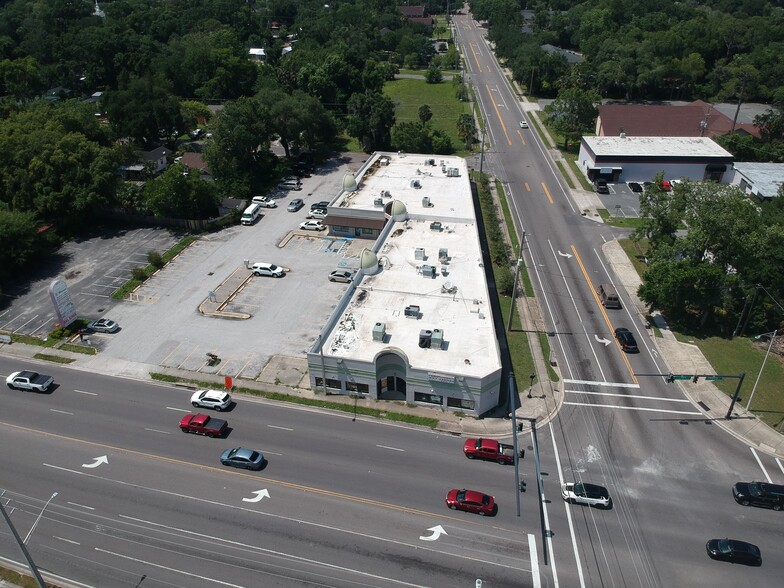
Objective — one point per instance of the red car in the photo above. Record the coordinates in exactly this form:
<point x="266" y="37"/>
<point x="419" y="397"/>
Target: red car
<point x="665" y="185"/>
<point x="471" y="501"/>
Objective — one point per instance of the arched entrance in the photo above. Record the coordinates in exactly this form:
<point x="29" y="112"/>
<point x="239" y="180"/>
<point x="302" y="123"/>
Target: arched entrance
<point x="391" y="371"/>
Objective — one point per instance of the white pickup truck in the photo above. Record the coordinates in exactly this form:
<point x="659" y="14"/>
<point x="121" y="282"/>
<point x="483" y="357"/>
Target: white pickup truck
<point x="26" y="380"/>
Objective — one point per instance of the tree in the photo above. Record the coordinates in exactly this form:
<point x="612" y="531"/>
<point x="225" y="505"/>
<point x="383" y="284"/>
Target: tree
<point x="466" y="130"/>
<point x="433" y="75"/>
<point x="371" y="116"/>
<point x="177" y="194"/>
<point x="425" y="113"/>
<point x="143" y="110"/>
<point x="573" y="112"/>
<point x="661" y="214"/>
<point x="20" y="242"/>
<point x="194" y="113"/>
<point x="298" y="119"/>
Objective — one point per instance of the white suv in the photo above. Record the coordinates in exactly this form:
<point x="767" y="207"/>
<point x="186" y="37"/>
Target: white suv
<point x="211" y="399"/>
<point x="267" y="269"/>
<point x="265" y="202"/>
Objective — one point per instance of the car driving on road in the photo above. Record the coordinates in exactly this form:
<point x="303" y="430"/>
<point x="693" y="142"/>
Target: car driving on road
<point x="626" y="340"/>
<point x="734" y="551"/>
<point x="471" y="501"/>
<point x="211" y="399"/>
<point x="590" y="494"/>
<point x="239" y="457"/>
<point x="759" y="494"/>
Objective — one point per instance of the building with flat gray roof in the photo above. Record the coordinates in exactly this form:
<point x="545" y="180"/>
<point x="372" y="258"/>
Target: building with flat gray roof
<point x="761" y="179"/>
<point x="415" y="324"/>
<point x="638" y="159"/>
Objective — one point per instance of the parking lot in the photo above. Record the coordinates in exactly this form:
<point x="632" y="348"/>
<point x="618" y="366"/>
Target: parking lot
<point x="162" y="326"/>
<point x="621" y="201"/>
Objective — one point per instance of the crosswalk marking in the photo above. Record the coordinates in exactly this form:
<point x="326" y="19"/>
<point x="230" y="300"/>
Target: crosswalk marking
<point x="632" y="408"/>
<point x="626" y="396"/>
<point x="609" y="384"/>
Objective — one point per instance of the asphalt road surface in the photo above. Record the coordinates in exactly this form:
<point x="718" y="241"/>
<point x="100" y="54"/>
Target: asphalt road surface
<point x="668" y="471"/>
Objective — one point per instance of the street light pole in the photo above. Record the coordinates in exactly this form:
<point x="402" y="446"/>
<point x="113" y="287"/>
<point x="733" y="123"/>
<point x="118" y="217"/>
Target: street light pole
<point x="37" y="520"/>
<point x="30" y="563"/>
<point x="762" y="367"/>
<point x="533" y="377"/>
<point x="514" y="287"/>
<point x="512" y="408"/>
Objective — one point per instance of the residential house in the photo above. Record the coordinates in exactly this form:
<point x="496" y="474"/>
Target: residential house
<point x="157" y="159"/>
<point x="417" y="15"/>
<point x="195" y="161"/>
<point x="257" y="54"/>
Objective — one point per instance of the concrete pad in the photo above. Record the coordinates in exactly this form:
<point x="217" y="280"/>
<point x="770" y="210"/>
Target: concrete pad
<point x="285" y="370"/>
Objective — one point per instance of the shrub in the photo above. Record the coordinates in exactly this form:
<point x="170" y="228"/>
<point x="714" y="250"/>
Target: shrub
<point x="155" y="259"/>
<point x="139" y="274"/>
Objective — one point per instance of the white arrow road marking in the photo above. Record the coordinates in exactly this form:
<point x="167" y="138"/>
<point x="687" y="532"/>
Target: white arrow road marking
<point x="98" y="461"/>
<point x="259" y="495"/>
<point x="438" y="530"/>
<point x="567" y="255"/>
<point x="606" y="342"/>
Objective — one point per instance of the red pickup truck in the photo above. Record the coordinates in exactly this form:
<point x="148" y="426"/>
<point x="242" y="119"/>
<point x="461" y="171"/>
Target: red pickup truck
<point x="489" y="450"/>
<point x="203" y="424"/>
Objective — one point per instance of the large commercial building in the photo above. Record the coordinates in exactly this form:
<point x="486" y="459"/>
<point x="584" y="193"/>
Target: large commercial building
<point x="415" y="325"/>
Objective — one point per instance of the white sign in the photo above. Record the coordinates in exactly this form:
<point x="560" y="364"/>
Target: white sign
<point x="443" y="378"/>
<point x="63" y="306"/>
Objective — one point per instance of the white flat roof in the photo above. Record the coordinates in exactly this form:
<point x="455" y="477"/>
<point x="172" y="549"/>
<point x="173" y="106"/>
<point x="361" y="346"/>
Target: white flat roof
<point x="656" y="146"/>
<point x="457" y="302"/>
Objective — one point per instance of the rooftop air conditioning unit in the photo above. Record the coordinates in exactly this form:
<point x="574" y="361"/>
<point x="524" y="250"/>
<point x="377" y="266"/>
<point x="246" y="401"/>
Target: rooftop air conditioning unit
<point x="443" y="255"/>
<point x="411" y="311"/>
<point x="416" y="184"/>
<point x="437" y="338"/>
<point x="419" y="253"/>
<point x="436" y="226"/>
<point x="378" y="202"/>
<point x="430" y="162"/>
<point x="429" y="271"/>
<point x="425" y="338"/>
<point x="379" y="330"/>
<point x="426" y="202"/>
<point x="453" y="172"/>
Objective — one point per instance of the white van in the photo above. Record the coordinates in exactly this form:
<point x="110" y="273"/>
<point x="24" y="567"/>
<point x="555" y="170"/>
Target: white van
<point x="251" y="214"/>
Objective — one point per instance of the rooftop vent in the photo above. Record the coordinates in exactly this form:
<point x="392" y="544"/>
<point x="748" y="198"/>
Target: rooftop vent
<point x="416" y="184"/>
<point x="379" y="330"/>
<point x="443" y="255"/>
<point x="426" y="202"/>
<point x="419" y="253"/>
<point x="437" y="338"/>
<point x="430" y="162"/>
<point x="425" y="338"/>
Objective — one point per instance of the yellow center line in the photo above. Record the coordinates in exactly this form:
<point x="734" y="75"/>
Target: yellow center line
<point x="476" y="59"/>
<point x="289" y="485"/>
<point x="604" y="313"/>
<point x="521" y="137"/>
<point x="527" y="187"/>
<point x="547" y="192"/>
<point x="498" y="114"/>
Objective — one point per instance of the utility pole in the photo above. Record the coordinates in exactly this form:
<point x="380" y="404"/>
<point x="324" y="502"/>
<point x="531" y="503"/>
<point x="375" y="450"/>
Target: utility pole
<point x="30" y="563"/>
<point x="514" y="287"/>
<point x="512" y="395"/>
<point x="482" y="152"/>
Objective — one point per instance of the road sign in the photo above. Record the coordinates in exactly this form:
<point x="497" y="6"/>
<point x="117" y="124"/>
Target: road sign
<point x="714" y="377"/>
<point x="680" y="377"/>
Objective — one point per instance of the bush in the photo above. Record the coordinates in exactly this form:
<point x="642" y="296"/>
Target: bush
<point x="139" y="274"/>
<point x="155" y="259"/>
<point x="504" y="280"/>
<point x="433" y="76"/>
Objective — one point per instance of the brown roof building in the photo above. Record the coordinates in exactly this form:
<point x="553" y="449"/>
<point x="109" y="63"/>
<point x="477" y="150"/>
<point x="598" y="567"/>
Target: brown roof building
<point x="698" y="119"/>
<point x="417" y="15"/>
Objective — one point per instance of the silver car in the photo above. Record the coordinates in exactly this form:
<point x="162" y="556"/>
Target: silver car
<point x="341" y="276"/>
<point x="295" y="205"/>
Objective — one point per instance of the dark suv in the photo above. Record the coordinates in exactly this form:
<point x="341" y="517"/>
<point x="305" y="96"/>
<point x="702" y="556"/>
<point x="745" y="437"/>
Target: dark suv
<point x="626" y="340"/>
<point x="759" y="494"/>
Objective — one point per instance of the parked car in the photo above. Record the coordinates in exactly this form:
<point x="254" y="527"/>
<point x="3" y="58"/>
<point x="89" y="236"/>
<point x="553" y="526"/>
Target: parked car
<point x="635" y="187"/>
<point x="265" y="202"/>
<point x="590" y="494"/>
<point x="239" y="457"/>
<point x="602" y="187"/>
<point x="295" y="205"/>
<point x="341" y="276"/>
<point x="312" y="225"/>
<point x="759" y="494"/>
<point x="471" y="501"/>
<point x="211" y="399"/>
<point x="322" y="204"/>
<point x="103" y="325"/>
<point x="317" y="213"/>
<point x="523" y="124"/>
<point x="734" y="551"/>
<point x="665" y="185"/>
<point x="267" y="269"/>
<point x="626" y="340"/>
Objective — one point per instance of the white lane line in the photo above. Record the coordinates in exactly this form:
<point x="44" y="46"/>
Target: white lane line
<point x="168" y="569"/>
<point x="61" y="411"/>
<point x="81" y="505"/>
<point x="633" y="408"/>
<point x="281" y="428"/>
<point x="71" y="541"/>
<point x="25" y="324"/>
<point x="390" y="448"/>
<point x="157" y="431"/>
<point x="568" y="518"/>
<point x="610" y="384"/>
<point x="627" y="396"/>
<point x="534" y="561"/>
<point x="84" y="392"/>
<point x="762" y="467"/>
<point x="177" y="409"/>
<point x="781" y="467"/>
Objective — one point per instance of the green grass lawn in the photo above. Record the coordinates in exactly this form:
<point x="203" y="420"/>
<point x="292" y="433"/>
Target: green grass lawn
<point x="408" y="95"/>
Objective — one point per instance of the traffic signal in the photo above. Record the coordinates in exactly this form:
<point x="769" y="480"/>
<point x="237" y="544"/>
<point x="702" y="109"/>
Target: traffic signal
<point x="519" y="427"/>
<point x="670" y="379"/>
<point x="695" y="378"/>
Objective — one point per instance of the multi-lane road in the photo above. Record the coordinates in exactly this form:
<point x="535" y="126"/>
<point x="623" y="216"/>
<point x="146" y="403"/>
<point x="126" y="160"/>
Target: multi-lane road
<point x="668" y="469"/>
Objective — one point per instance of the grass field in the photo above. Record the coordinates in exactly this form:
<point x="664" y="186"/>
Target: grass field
<point x="408" y="95"/>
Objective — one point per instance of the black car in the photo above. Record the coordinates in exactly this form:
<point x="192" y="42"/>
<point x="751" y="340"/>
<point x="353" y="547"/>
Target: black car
<point x="626" y="340"/>
<point x="635" y="187"/>
<point x="734" y="551"/>
<point x="323" y="205"/>
<point x="759" y="494"/>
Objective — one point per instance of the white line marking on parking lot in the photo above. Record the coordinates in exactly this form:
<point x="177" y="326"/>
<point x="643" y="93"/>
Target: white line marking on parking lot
<point x="177" y="409"/>
<point x="61" y="411"/>
<point x="157" y="431"/>
<point x="781" y="467"/>
<point x="96" y="295"/>
<point x="390" y="448"/>
<point x="84" y="392"/>
<point x="633" y="408"/>
<point x="30" y="321"/>
<point x="628" y="396"/>
<point x="762" y="467"/>
<point x="609" y="384"/>
<point x="81" y="505"/>
<point x="282" y="428"/>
